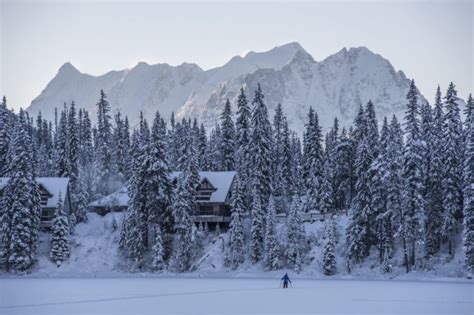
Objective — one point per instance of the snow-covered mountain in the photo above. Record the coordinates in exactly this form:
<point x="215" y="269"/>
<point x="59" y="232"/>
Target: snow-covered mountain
<point x="288" y="75"/>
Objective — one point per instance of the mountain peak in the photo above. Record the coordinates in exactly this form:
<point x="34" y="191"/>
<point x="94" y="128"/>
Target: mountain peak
<point x="67" y="68"/>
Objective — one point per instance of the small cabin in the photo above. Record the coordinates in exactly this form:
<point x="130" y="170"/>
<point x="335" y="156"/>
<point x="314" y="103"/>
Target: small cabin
<point x="212" y="198"/>
<point x="50" y="188"/>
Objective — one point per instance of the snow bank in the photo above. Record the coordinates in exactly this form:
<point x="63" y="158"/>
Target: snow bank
<point x="95" y="253"/>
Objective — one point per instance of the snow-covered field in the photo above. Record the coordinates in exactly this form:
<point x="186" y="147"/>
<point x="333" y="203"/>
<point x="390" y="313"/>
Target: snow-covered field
<point x="231" y="296"/>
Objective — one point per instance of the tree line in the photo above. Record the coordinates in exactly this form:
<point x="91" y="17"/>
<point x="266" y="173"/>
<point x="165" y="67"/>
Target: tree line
<point x="404" y="186"/>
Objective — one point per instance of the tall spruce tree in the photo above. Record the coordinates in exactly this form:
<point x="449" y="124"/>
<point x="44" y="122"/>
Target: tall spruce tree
<point x="329" y="249"/>
<point x="73" y="161"/>
<point x="295" y="235"/>
<point x="5" y="136"/>
<point x="411" y="226"/>
<point x="261" y="151"/>
<point x="271" y="257"/>
<point x="62" y="146"/>
<point x="469" y="198"/>
<point x="183" y="206"/>
<point x="453" y="148"/>
<point x="59" y="234"/>
<point x="434" y="190"/>
<point x="104" y="158"/>
<point x="313" y="162"/>
<point x="227" y="143"/>
<point x="156" y="172"/>
<point x="21" y="208"/>
<point x="242" y="140"/>
<point x="157" y="251"/>
<point x="257" y="229"/>
<point x="237" y="241"/>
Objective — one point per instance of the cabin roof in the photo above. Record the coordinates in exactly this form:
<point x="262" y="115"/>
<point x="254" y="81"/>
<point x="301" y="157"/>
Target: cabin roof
<point x="221" y="181"/>
<point x="53" y="185"/>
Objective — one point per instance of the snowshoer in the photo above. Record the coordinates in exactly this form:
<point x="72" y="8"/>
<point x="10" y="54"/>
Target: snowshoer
<point x="285" y="280"/>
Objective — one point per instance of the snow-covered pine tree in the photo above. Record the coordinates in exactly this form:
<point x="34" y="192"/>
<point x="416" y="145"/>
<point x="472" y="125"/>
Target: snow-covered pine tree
<point x="332" y="144"/>
<point x="344" y="171"/>
<point x="227" y="143"/>
<point x="61" y="146"/>
<point x="453" y="148"/>
<point x="157" y="251"/>
<point x="277" y="175"/>
<point x="362" y="214"/>
<point x="271" y="256"/>
<point x="394" y="166"/>
<point x="202" y="149"/>
<point x="213" y="150"/>
<point x="372" y="129"/>
<point x="237" y="253"/>
<point x="73" y="161"/>
<point x="257" y="229"/>
<point x="156" y="172"/>
<point x="21" y="204"/>
<point x="295" y="235"/>
<point x="434" y="182"/>
<point x="313" y="161"/>
<point x="296" y="165"/>
<point x="261" y="148"/>
<point x="104" y="159"/>
<point x="218" y="229"/>
<point x="329" y="249"/>
<point x="326" y="202"/>
<point x="172" y="153"/>
<point x="183" y="207"/>
<point x="242" y="140"/>
<point x="134" y="232"/>
<point x="469" y="198"/>
<point x="287" y="160"/>
<point x="382" y="231"/>
<point x="86" y="157"/>
<point x="120" y="148"/>
<point x="469" y="114"/>
<point x="411" y="227"/>
<point x="59" y="234"/>
<point x="5" y="135"/>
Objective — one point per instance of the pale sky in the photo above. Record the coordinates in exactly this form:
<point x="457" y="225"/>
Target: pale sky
<point x="431" y="41"/>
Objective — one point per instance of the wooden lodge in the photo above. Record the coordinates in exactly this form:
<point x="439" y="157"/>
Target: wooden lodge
<point x="212" y="200"/>
<point x="50" y="188"/>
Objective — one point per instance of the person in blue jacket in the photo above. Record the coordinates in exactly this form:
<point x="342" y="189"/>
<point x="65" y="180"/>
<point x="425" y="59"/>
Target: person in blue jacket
<point x="285" y="280"/>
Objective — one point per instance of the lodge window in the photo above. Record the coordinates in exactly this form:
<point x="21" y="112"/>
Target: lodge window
<point x="204" y="195"/>
<point x="44" y="199"/>
<point x="206" y="210"/>
<point x="47" y="213"/>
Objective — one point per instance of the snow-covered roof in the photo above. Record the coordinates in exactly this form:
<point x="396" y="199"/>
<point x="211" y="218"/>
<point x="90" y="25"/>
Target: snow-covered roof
<point x="117" y="199"/>
<point x="221" y="181"/>
<point x="53" y="185"/>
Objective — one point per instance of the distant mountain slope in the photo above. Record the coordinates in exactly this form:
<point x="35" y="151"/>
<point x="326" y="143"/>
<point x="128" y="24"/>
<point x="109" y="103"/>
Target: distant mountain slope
<point x="288" y="75"/>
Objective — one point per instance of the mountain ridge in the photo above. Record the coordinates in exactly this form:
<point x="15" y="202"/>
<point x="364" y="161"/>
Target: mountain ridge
<point x="334" y="86"/>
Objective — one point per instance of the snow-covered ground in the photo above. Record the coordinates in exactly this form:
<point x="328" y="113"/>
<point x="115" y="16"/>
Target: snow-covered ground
<point x="231" y="296"/>
<point x="95" y="253"/>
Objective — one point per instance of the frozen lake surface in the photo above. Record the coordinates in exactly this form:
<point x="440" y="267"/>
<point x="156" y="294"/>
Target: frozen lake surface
<point x="231" y="296"/>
